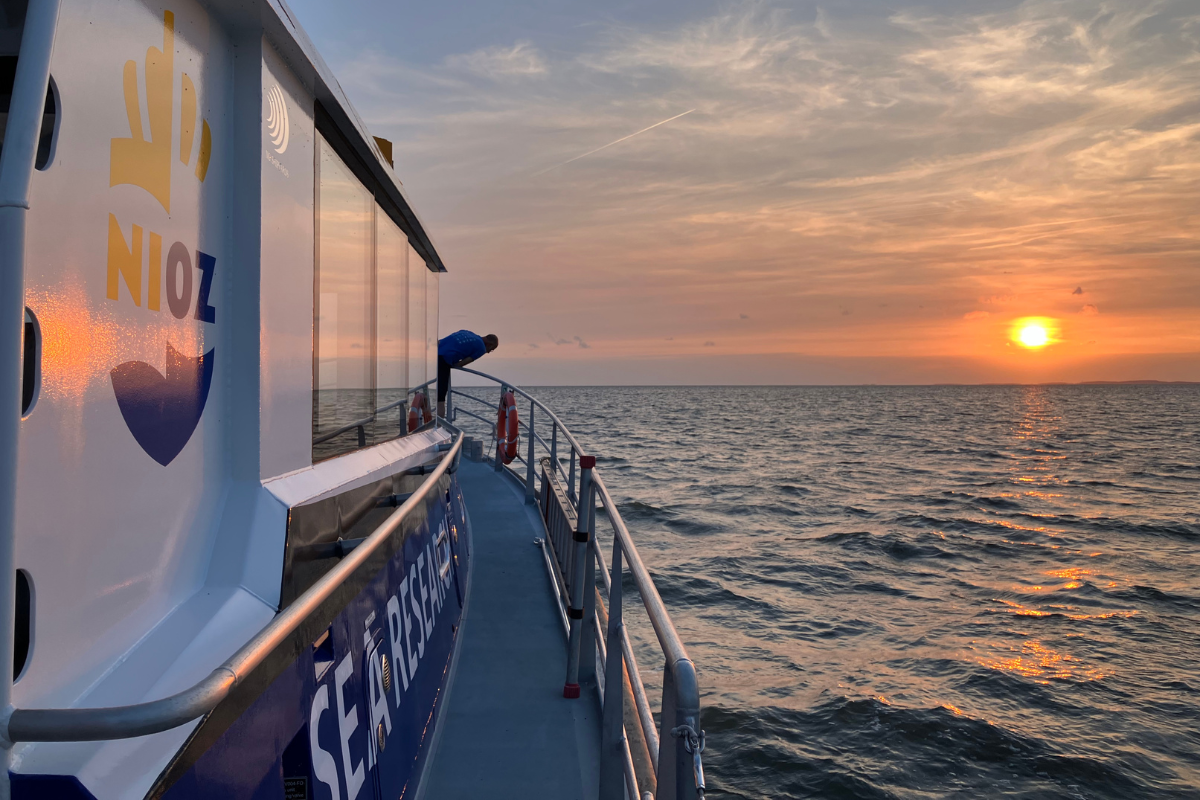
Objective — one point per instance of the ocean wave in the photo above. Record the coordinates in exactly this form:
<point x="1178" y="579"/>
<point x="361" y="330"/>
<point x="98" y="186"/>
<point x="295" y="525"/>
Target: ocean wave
<point x="916" y="592"/>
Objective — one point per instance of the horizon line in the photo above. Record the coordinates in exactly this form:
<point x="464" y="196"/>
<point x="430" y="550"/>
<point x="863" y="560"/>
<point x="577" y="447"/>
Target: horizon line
<point x="1145" y="382"/>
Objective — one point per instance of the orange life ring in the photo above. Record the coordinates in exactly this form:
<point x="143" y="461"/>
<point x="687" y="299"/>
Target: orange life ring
<point x="507" y="427"/>
<point x="419" y="409"/>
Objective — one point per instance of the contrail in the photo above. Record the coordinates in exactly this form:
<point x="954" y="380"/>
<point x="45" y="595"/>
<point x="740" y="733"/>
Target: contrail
<point x="618" y="141"/>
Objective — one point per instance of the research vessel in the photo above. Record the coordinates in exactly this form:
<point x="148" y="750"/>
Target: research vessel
<point x="238" y="556"/>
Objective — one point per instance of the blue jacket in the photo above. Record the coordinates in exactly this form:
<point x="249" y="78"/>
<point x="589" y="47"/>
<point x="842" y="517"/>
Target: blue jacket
<point x="460" y="346"/>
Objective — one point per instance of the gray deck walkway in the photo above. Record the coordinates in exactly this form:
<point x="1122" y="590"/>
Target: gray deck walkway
<point x="507" y="731"/>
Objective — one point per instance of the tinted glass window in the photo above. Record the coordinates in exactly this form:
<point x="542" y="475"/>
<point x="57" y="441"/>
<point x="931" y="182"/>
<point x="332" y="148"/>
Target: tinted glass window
<point x="344" y="374"/>
<point x="391" y="348"/>
<point x="8" y="72"/>
<point x="431" y="321"/>
<point x="418" y="367"/>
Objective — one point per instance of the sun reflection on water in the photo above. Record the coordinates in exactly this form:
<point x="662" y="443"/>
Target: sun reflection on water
<point x="1041" y="663"/>
<point x="1070" y="612"/>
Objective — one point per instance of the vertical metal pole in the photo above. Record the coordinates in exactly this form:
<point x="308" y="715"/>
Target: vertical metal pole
<point x="499" y="441"/>
<point x="587" y="638"/>
<point x="16" y="173"/>
<point x="612" y="725"/>
<point x="529" y="459"/>
<point x="554" y="451"/>
<point x="587" y="498"/>
<point x="679" y="768"/>
<point x="667" y="744"/>
<point x="571" y="478"/>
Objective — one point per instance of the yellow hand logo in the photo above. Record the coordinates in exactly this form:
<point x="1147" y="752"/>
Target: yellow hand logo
<point x="147" y="162"/>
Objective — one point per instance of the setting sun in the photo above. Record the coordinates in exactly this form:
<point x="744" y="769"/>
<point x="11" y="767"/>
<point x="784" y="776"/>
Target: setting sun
<point x="1033" y="335"/>
<point x="1033" y="332"/>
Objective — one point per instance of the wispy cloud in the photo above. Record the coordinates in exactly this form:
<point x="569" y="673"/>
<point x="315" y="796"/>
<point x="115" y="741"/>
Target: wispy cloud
<point x="521" y="59"/>
<point x="834" y="162"/>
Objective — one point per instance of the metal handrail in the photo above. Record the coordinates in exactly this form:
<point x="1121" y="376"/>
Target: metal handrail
<point x="577" y="448"/>
<point x="676" y="751"/>
<point x="140" y="719"/>
<point x="368" y="420"/>
<point x="574" y="442"/>
<point x="668" y="638"/>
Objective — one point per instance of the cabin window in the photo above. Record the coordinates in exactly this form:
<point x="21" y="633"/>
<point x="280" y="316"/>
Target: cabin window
<point x="431" y="327"/>
<point x="8" y="72"/>
<point x="375" y="305"/>
<point x="31" y="366"/>
<point x="418" y="366"/>
<point x="22" y="624"/>
<point x="344" y="374"/>
<point x="391" y="320"/>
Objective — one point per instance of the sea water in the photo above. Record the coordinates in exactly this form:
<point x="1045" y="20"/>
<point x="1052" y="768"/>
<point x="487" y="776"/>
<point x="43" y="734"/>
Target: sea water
<point x="901" y="592"/>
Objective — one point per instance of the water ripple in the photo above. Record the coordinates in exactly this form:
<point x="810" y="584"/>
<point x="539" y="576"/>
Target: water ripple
<point x="922" y="591"/>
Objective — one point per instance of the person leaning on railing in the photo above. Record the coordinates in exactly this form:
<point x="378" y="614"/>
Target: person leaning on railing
<point x="457" y="350"/>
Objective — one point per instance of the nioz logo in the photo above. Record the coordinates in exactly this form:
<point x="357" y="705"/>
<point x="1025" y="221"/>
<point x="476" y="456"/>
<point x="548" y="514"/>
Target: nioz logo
<point x="161" y="411"/>
<point x="277" y="119"/>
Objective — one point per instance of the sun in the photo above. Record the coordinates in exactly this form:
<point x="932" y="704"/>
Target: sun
<point x="1033" y="332"/>
<point x="1033" y="335"/>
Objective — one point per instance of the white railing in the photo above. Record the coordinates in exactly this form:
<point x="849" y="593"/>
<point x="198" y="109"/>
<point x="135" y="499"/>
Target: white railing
<point x="633" y="758"/>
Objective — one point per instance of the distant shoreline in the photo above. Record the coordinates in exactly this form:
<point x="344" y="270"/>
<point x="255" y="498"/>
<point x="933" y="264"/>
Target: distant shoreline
<point x="1082" y="383"/>
<point x="465" y="385"/>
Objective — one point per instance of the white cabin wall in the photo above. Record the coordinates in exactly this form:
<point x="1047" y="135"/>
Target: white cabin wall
<point x="249" y="547"/>
<point x="287" y="276"/>
<point x="111" y="538"/>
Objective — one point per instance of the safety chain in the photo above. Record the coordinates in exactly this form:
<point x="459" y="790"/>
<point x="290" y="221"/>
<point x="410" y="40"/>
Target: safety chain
<point x="694" y="744"/>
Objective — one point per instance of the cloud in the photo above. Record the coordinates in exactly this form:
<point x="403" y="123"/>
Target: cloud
<point x="963" y="156"/>
<point x="1089" y="310"/>
<point x="582" y="344"/>
<point x="554" y="340"/>
<point x="533" y="346"/>
<point x="1078" y="290"/>
<point x="976" y="315"/>
<point x="710" y="344"/>
<point x="520" y="60"/>
<point x="743" y="316"/>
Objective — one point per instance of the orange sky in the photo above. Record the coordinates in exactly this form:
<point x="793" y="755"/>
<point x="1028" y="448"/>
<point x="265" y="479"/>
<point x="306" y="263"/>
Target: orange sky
<point x="860" y="195"/>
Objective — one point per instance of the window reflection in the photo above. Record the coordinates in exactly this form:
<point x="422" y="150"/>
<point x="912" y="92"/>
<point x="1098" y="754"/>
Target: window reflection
<point x="431" y="327"/>
<point x="391" y="283"/>
<point x="418" y="364"/>
<point x="344" y="380"/>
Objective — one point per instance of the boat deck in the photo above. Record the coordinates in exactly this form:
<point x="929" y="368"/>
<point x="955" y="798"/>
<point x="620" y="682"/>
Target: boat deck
<point x="506" y="730"/>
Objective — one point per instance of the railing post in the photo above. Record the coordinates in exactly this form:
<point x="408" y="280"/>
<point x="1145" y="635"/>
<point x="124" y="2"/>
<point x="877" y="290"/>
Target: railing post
<point x="554" y="449"/>
<point x="587" y="498"/>
<point x="680" y="740"/>
<point x="24" y="121"/>
<point x="499" y="443"/>
<point x="587" y="637"/>
<point x="362" y="435"/>
<point x="612" y="725"/>
<point x="571" y="479"/>
<point x="529" y="459"/>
